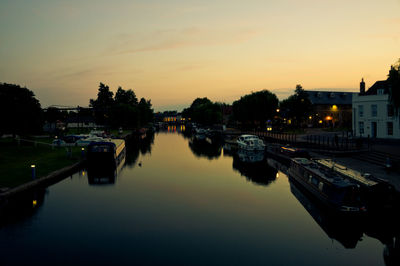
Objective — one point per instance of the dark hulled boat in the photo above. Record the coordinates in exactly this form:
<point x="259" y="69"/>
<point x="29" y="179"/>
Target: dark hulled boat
<point x="331" y="189"/>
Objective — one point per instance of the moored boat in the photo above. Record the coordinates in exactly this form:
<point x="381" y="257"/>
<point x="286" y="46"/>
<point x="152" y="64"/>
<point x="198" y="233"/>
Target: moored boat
<point x="106" y="152"/>
<point x="250" y="143"/>
<point x="331" y="189"/>
<point x="378" y="193"/>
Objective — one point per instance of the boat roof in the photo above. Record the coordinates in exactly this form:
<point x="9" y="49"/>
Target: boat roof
<point x="248" y="136"/>
<point x="329" y="176"/>
<point x="350" y="173"/>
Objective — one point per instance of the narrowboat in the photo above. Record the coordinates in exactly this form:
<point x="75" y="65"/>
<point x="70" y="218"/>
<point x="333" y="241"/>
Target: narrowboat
<point x="106" y="153"/>
<point x="377" y="193"/>
<point x="330" y="188"/>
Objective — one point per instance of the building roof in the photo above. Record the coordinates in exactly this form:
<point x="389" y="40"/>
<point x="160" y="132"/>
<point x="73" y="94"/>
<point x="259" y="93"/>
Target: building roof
<point x="330" y="97"/>
<point x="380" y="84"/>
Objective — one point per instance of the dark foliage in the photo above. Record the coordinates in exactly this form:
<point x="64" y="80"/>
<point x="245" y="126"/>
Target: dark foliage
<point x="122" y="110"/>
<point x="20" y="111"/>
<point x="255" y="109"/>
<point x="297" y="107"/>
<point x="204" y="111"/>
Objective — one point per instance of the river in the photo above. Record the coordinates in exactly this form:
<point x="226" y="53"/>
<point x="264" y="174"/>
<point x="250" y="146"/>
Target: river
<point x="181" y="201"/>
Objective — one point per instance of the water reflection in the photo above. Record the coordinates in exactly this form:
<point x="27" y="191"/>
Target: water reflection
<point x="205" y="148"/>
<point x="137" y="147"/>
<point x="18" y="209"/>
<point x="102" y="176"/>
<point x="253" y="166"/>
<point x="344" y="229"/>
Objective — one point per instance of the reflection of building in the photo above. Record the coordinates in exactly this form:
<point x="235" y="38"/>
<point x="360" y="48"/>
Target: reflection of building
<point x="372" y="113"/>
<point x="330" y="108"/>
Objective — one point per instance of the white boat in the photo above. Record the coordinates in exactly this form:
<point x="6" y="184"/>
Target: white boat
<point x="250" y="143"/>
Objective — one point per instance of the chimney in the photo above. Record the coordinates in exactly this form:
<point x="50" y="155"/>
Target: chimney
<point x="362" y="86"/>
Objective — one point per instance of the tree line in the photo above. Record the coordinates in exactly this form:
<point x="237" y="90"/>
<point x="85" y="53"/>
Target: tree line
<point x="22" y="114"/>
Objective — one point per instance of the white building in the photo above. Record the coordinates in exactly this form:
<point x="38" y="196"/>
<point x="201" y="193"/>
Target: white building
<point x="373" y="115"/>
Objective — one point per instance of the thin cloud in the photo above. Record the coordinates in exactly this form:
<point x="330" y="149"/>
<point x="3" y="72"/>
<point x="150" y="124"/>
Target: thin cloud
<point x="175" y="39"/>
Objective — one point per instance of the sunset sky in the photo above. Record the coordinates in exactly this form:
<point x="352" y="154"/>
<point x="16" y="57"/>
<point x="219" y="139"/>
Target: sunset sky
<point x="173" y="51"/>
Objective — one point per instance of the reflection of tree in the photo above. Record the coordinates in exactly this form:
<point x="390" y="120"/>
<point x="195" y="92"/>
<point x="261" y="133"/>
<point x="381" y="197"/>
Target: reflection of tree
<point x="257" y="172"/>
<point x="21" y="207"/>
<point x="138" y="146"/>
<point x="203" y="148"/>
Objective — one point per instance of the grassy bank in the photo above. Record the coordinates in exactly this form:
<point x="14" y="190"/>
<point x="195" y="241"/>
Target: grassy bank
<point x="16" y="161"/>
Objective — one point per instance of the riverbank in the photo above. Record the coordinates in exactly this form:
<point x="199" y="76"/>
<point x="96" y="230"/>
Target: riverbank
<point x="16" y="161"/>
<point x="50" y="179"/>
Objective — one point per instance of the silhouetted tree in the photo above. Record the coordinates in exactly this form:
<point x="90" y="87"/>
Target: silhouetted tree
<point x="255" y="109"/>
<point x="122" y="110"/>
<point x="204" y="111"/>
<point x="103" y="104"/>
<point x="394" y="88"/>
<point x="20" y="111"/>
<point x="297" y="106"/>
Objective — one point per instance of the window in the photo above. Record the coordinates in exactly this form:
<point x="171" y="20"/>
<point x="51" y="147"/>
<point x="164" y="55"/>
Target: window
<point x="361" y="127"/>
<point x="360" y="110"/>
<point x="380" y="91"/>
<point x="390" y="128"/>
<point x="390" y="110"/>
<point x="374" y="110"/>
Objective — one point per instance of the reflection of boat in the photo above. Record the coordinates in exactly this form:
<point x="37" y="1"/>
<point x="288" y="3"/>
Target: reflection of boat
<point x="200" y="133"/>
<point x="330" y="188"/>
<point x="250" y="142"/>
<point x="377" y="193"/>
<point x="250" y="156"/>
<point x="277" y="165"/>
<point x="257" y="172"/>
<point x="106" y="153"/>
<point x="346" y="230"/>
<point x="104" y="175"/>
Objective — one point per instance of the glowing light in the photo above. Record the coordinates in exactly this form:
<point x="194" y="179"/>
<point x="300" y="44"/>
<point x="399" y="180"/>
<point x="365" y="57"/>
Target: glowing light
<point x="289" y="121"/>
<point x="33" y="166"/>
<point x="83" y="149"/>
<point x="277" y="110"/>
<point x="310" y="117"/>
<point x="320" y="121"/>
<point x="334" y="107"/>
<point x="328" y="118"/>
<point x="269" y="128"/>
<point x="34" y="203"/>
<point x="277" y="175"/>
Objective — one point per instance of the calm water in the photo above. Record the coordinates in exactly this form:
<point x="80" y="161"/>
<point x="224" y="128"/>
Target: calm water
<point x="181" y="201"/>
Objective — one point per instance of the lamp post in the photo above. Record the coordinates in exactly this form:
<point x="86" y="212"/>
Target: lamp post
<point x="33" y="171"/>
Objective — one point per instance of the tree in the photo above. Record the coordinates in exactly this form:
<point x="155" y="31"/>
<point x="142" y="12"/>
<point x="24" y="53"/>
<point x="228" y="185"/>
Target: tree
<point x="103" y="104"/>
<point x="394" y="86"/>
<point x="255" y="109"/>
<point x="204" y="111"/>
<point x="297" y="106"/>
<point x="20" y="111"/>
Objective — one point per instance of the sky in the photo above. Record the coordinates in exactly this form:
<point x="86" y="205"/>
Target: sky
<point x="174" y="51"/>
